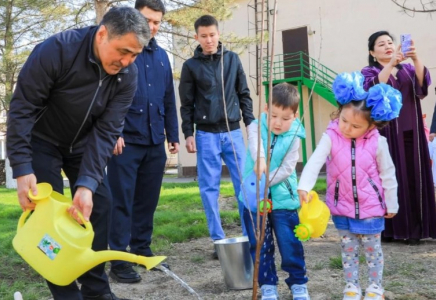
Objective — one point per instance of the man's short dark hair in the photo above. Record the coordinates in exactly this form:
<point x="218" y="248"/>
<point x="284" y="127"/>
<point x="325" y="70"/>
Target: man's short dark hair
<point x="122" y="20"/>
<point x="285" y="95"/>
<point x="205" y="21"/>
<point x="156" y="5"/>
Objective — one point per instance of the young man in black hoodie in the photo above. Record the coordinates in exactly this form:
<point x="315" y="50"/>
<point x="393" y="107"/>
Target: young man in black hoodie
<point x="218" y="135"/>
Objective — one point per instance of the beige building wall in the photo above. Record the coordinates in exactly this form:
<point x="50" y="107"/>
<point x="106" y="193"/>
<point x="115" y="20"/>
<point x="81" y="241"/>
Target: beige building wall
<point x="337" y="37"/>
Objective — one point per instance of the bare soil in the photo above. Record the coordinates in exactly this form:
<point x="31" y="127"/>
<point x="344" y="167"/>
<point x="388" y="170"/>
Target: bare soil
<point x="410" y="271"/>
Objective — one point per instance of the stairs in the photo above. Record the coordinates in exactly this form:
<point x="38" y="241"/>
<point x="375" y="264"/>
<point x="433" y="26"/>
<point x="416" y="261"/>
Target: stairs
<point x="300" y="67"/>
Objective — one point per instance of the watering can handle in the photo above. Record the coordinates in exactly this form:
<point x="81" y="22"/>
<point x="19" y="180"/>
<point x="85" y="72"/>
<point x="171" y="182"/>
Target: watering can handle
<point x="23" y="218"/>
<point x="87" y="224"/>
<point x="305" y="205"/>
<point x="304" y="208"/>
<point x="25" y="214"/>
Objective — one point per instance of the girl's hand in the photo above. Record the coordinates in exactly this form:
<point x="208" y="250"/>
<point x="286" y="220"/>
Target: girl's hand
<point x="303" y="197"/>
<point x="412" y="52"/>
<point x="259" y="170"/>
<point x="389" y="215"/>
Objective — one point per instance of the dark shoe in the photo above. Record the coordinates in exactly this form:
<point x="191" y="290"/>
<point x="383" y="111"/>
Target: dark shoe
<point x="110" y="296"/>
<point x="412" y="242"/>
<point x="215" y="255"/>
<point x="386" y="239"/>
<point x="124" y="273"/>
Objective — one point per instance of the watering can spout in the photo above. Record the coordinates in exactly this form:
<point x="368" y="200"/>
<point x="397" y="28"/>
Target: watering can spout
<point x="108" y="255"/>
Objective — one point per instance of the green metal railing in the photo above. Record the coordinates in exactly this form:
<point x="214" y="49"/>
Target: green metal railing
<point x="298" y="66"/>
<point x="300" y="69"/>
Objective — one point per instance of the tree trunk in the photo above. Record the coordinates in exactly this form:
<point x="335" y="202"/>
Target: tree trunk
<point x="7" y="59"/>
<point x="101" y="7"/>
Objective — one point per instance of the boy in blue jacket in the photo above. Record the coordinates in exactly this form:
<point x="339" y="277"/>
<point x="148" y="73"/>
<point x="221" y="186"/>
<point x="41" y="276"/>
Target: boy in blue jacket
<point x="286" y="131"/>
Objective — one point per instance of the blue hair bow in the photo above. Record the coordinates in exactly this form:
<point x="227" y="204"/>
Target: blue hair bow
<point x="385" y="101"/>
<point x="349" y="86"/>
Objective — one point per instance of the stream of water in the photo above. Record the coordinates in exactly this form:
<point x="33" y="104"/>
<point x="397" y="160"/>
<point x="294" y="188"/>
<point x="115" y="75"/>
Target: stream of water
<point x="177" y="278"/>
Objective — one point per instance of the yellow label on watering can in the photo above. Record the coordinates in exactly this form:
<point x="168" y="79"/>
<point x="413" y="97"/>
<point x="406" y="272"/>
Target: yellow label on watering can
<point x="314" y="217"/>
<point x="58" y="247"/>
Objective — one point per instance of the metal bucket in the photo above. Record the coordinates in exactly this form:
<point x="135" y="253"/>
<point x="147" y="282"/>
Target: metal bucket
<point x="236" y="262"/>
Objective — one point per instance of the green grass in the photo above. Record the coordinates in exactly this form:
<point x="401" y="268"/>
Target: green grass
<point x="15" y="274"/>
<point x="320" y="186"/>
<point x="179" y="218"/>
<point x="335" y="262"/>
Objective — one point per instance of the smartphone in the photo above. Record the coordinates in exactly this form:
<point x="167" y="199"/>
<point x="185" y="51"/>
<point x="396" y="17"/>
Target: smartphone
<point x="406" y="42"/>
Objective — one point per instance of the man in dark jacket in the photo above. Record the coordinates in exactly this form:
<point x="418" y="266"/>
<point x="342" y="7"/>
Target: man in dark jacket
<point x="136" y="170"/>
<point x="66" y="113"/>
<point x="216" y="117"/>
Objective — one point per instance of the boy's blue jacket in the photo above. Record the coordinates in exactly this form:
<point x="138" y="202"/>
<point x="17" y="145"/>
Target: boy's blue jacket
<point x="153" y="111"/>
<point x="284" y="194"/>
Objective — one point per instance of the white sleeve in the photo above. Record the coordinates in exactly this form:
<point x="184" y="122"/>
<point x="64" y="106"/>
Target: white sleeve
<point x="288" y="165"/>
<point x="252" y="141"/>
<point x="386" y="170"/>
<point x="317" y="160"/>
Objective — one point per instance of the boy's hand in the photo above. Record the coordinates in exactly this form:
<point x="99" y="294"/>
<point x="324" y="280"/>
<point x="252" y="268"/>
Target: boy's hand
<point x="389" y="215"/>
<point x="303" y="197"/>
<point x="259" y="170"/>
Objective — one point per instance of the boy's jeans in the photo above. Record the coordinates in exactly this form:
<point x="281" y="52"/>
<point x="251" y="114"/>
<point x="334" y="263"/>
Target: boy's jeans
<point x="282" y="222"/>
<point x="211" y="149"/>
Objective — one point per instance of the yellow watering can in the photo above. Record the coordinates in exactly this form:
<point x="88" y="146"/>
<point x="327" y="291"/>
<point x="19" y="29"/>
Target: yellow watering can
<point x="314" y="217"/>
<point x="58" y="247"/>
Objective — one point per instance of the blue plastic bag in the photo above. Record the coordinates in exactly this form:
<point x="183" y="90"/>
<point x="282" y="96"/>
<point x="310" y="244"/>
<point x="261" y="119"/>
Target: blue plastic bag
<point x="248" y="191"/>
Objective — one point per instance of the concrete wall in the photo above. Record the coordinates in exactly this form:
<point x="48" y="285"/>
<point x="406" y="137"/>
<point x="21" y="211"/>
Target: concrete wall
<point x="342" y="28"/>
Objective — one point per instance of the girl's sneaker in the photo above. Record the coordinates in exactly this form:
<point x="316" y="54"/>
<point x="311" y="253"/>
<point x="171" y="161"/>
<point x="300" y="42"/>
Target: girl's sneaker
<point x="269" y="292"/>
<point x="299" y="292"/>
<point x="352" y="292"/>
<point x="374" y="292"/>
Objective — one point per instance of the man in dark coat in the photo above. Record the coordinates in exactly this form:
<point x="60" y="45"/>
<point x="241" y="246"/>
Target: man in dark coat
<point x="66" y="113"/>
<point x="136" y="170"/>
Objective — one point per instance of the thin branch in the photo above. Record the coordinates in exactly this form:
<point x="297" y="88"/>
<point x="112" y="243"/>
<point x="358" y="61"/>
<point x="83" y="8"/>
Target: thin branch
<point x="186" y="5"/>
<point x="414" y="10"/>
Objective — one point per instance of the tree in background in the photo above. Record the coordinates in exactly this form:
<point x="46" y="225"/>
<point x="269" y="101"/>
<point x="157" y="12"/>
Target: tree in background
<point x="176" y="34"/>
<point x="410" y="7"/>
<point x="23" y="24"/>
<point x="179" y="25"/>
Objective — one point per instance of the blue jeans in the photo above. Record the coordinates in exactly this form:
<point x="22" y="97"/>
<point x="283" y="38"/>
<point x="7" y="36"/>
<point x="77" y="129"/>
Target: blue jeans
<point x="282" y="222"/>
<point x="211" y="149"/>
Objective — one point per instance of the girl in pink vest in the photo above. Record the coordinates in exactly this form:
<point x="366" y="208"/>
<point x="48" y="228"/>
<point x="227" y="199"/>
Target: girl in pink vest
<point x="361" y="182"/>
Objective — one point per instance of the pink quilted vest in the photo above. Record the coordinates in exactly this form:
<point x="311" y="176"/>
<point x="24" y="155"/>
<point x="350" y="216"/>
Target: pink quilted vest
<point x="354" y="191"/>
